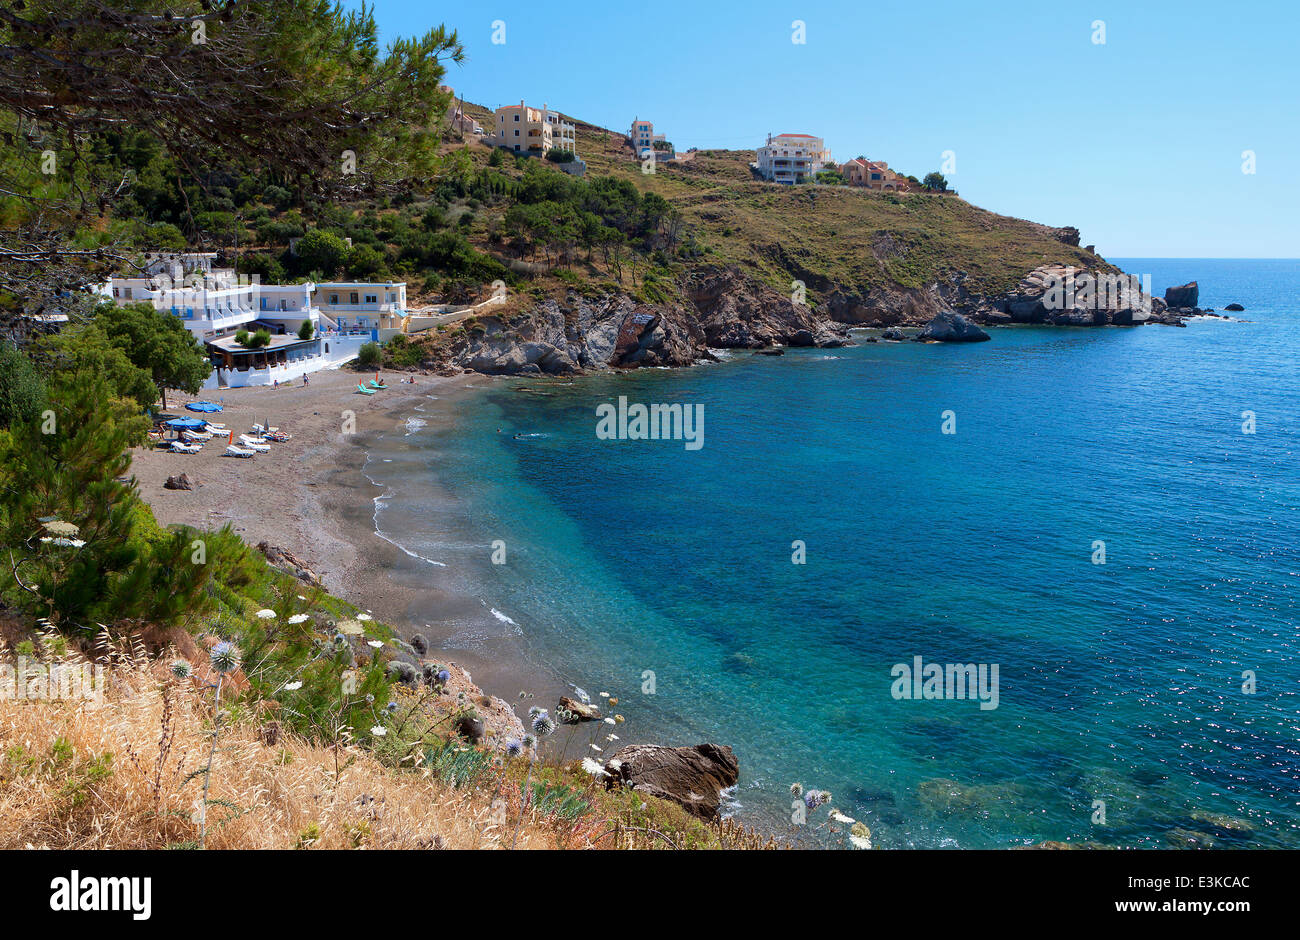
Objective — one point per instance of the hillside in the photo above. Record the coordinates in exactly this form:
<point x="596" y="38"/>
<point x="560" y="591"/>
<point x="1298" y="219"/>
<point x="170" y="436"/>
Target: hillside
<point x="723" y="262"/>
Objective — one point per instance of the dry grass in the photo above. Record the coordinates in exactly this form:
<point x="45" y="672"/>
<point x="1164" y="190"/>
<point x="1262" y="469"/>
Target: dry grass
<point x="128" y="775"/>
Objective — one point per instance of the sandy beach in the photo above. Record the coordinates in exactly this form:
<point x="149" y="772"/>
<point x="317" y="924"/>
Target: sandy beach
<point x="309" y="495"/>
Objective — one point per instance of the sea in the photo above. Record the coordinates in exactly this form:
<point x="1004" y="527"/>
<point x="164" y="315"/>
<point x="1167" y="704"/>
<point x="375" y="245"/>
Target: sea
<point x="1092" y="534"/>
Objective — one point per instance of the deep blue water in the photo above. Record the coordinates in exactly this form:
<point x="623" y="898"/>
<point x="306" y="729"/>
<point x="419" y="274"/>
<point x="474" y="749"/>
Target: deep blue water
<point x="1120" y="682"/>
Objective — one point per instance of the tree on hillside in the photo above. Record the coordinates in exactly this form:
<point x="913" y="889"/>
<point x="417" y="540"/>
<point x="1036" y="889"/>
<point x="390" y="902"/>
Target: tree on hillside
<point x="212" y="84"/>
<point x="319" y="250"/>
<point x="22" y="391"/>
<point x="158" y="343"/>
<point x="935" y="182"/>
<point x="87" y="349"/>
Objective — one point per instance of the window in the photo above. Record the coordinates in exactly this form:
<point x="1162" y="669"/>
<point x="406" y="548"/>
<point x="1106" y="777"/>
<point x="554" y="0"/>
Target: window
<point x="334" y="298"/>
<point x="371" y="298"/>
<point x="353" y="297"/>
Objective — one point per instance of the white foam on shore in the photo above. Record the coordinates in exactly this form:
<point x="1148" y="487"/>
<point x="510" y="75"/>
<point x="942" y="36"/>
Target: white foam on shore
<point x="374" y="519"/>
<point x="413" y="425"/>
<point x="502" y="617"/>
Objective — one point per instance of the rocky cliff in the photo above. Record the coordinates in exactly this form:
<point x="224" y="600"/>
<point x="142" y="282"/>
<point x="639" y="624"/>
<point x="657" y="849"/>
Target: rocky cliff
<point x="723" y="308"/>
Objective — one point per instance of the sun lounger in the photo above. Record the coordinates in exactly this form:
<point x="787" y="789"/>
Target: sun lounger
<point x="374" y="384"/>
<point x="254" y="444"/>
<point x="181" y="448"/>
<point x="261" y="430"/>
<point x="362" y="390"/>
<point x="235" y="451"/>
<point x="196" y="437"/>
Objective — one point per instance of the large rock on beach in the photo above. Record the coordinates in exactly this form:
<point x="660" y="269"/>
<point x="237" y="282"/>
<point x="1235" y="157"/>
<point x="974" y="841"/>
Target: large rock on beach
<point x="573" y="712"/>
<point x="949" y="327"/>
<point x="692" y="777"/>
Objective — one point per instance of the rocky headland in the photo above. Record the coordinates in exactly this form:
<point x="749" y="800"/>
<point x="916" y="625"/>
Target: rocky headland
<point x="572" y="331"/>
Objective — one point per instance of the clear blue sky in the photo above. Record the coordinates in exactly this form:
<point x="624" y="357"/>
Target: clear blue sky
<point x="1137" y="142"/>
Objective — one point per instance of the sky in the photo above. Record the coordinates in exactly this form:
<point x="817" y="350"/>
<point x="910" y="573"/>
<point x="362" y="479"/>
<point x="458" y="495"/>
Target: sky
<point x="1139" y="141"/>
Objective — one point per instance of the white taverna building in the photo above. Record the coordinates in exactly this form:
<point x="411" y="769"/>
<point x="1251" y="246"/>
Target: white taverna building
<point x="215" y="304"/>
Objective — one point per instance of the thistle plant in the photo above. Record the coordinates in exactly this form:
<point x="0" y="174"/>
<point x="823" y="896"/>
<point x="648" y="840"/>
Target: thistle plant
<point x="512" y="749"/>
<point x="543" y="725"/>
<point x="224" y="658"/>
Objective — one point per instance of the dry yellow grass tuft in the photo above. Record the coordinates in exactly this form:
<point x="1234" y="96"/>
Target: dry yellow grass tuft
<point x="128" y="775"/>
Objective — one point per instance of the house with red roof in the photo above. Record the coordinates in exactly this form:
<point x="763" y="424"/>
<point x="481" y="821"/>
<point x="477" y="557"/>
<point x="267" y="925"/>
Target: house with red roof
<point x="873" y="174"/>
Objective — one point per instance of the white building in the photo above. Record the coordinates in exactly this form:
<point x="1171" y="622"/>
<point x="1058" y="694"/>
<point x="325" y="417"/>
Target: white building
<point x="792" y="158"/>
<point x="359" y="305"/>
<point x="214" y="305"/>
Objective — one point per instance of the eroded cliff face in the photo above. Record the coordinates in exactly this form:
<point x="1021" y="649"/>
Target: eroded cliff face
<point x="577" y="334"/>
<point x="722" y="308"/>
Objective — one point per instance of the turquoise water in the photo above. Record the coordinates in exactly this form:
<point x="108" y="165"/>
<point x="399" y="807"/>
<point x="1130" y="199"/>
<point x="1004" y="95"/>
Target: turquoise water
<point x="1119" y="682"/>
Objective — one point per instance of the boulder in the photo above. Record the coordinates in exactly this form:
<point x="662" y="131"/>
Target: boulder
<point x="949" y="327"/>
<point x="577" y="711"/>
<point x="471" y="728"/>
<point x="894" y="334"/>
<point x="1186" y="296"/>
<point x="181" y="482"/>
<point x="692" y="777"/>
<point x="1235" y="308"/>
<point x="289" y="563"/>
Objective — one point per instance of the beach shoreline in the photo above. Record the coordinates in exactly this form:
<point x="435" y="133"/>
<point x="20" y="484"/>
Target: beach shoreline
<point x="312" y="497"/>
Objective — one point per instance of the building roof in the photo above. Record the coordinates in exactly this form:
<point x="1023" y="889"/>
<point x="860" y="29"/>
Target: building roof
<point x="326" y="285"/>
<point x="278" y="341"/>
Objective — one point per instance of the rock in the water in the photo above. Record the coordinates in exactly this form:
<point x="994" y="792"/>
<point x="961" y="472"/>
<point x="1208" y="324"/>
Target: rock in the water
<point x="572" y="712"/>
<point x="770" y="351"/>
<point x="1189" y="839"/>
<point x="1186" y="296"/>
<point x="894" y="334"/>
<point x="181" y="482"/>
<point x="949" y="327"/>
<point x="1222" y="825"/>
<point x="693" y="777"/>
<point x="1235" y="308"/>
